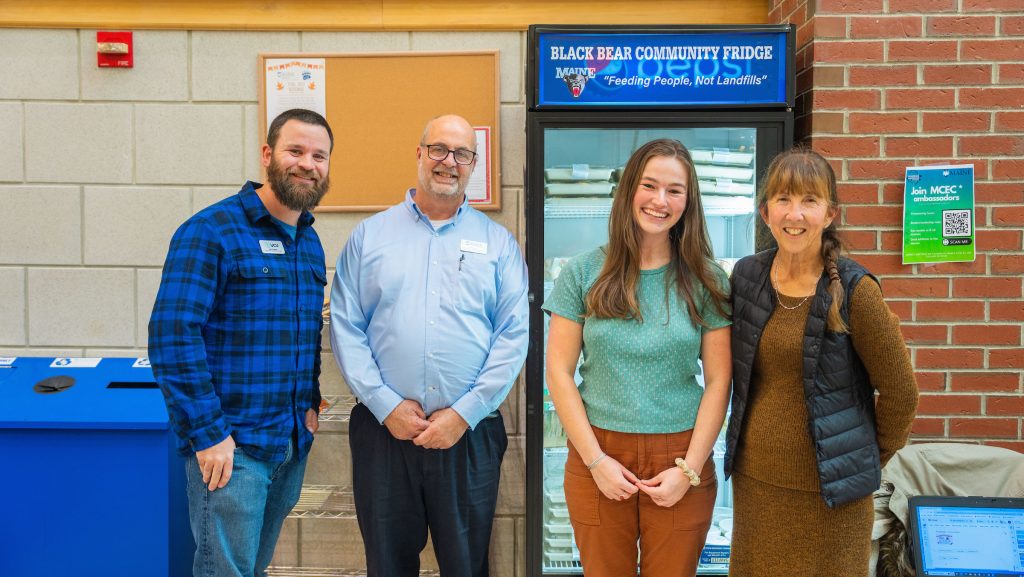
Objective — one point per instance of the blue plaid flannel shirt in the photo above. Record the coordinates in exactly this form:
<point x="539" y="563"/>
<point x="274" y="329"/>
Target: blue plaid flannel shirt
<point x="234" y="338"/>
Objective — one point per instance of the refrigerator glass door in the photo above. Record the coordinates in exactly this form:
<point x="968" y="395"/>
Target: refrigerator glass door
<point x="581" y="171"/>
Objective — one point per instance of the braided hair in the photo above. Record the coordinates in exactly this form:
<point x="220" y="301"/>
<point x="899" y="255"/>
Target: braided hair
<point x="802" y="169"/>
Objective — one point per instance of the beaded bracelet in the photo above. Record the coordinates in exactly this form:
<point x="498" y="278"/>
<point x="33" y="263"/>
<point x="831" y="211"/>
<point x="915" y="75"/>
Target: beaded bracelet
<point x="690" y="473"/>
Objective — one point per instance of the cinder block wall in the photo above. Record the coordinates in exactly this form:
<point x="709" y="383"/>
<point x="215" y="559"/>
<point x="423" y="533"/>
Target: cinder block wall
<point x="98" y="167"/>
<point x="886" y="84"/>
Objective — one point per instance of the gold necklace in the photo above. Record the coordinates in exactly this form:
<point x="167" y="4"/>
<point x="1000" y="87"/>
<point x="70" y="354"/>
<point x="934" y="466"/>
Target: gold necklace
<point x="778" y="294"/>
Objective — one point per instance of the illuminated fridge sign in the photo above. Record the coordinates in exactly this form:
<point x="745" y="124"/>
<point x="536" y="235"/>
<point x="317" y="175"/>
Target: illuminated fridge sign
<point x="637" y="69"/>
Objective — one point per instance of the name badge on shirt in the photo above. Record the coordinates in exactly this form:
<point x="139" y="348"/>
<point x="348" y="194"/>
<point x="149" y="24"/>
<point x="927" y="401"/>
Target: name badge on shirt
<point x="473" y="246"/>
<point x="271" y="247"/>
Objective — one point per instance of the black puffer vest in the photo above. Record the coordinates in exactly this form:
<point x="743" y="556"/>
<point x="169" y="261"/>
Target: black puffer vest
<point x="838" y="393"/>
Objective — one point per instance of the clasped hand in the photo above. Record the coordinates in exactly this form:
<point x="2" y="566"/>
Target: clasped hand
<point x="618" y="483"/>
<point x="442" y="429"/>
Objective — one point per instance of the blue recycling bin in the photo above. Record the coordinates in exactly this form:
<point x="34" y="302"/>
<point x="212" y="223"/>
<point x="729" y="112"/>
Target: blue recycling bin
<point x="90" y="482"/>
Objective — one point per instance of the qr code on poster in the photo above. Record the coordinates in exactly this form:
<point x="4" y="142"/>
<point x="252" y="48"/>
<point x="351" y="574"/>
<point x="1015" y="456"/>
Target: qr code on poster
<point x="956" y="223"/>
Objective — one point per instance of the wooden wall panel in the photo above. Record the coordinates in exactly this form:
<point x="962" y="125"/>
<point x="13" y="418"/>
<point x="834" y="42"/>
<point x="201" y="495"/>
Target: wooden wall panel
<point x="369" y="15"/>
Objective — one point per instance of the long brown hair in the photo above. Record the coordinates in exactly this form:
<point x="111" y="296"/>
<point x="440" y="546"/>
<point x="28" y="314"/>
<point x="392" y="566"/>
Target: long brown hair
<point x="803" y="170"/>
<point x="614" y="293"/>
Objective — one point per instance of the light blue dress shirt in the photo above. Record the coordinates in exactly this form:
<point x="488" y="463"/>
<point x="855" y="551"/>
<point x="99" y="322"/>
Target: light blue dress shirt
<point x="436" y="316"/>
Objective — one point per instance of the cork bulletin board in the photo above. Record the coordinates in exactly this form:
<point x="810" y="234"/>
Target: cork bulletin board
<point x="377" y="105"/>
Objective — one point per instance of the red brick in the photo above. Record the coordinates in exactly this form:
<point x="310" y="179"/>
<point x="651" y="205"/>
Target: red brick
<point x="903" y="309"/>
<point x="887" y="27"/>
<point x="926" y="6"/>
<point x="848" y="6"/>
<point x="845" y="51"/>
<point x="943" y="358"/>
<point x="822" y="123"/>
<point x="986" y="335"/>
<point x="958" y="122"/>
<point x="1006" y="359"/>
<point x="919" y="146"/>
<point x="1011" y="50"/>
<point x="930" y="381"/>
<point x="854" y="193"/>
<point x="950" y="311"/>
<point x="961" y="26"/>
<point x="883" y="123"/>
<point x="883" y="75"/>
<point x="919" y="98"/>
<point x="953" y="268"/>
<point x="892" y="193"/>
<point x="925" y="334"/>
<point x="1008" y="169"/>
<point x="1011" y="73"/>
<point x="998" y="240"/>
<point x="1008" y="215"/>
<point x="991" y="145"/>
<point x="963" y="74"/>
<point x="986" y="287"/>
<point x="879" y="169"/>
<point x="991" y="6"/>
<point x="891" y="240"/>
<point x="949" y="405"/>
<point x="916" y="287"/>
<point x="1011" y="445"/>
<point x="1006" y="310"/>
<point x="921" y="51"/>
<point x="983" y="428"/>
<point x="1010" y="121"/>
<point x="804" y="34"/>
<point x="1012" y="26"/>
<point x="846" y="99"/>
<point x="829" y="26"/>
<point x="986" y="192"/>
<point x="882" y="264"/>
<point x="859" y="239"/>
<point x="847" y="146"/>
<point x="1004" y="405"/>
<point x="992" y="98"/>
<point x="824" y="77"/>
<point x="873" y="215"/>
<point x="986" y="382"/>
<point x="1007" y="264"/>
<point x="924" y="427"/>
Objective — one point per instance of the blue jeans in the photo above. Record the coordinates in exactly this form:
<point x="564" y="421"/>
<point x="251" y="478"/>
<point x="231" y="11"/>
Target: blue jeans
<point x="236" y="527"/>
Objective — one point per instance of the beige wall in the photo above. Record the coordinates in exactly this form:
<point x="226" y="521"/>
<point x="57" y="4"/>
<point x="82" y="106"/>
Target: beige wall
<point x="98" y="167"/>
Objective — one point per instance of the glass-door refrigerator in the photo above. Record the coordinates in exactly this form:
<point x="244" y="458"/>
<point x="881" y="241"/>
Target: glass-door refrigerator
<point x="594" y="95"/>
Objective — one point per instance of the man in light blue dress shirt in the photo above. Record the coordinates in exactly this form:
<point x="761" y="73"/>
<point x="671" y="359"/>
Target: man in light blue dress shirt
<point x="429" y="324"/>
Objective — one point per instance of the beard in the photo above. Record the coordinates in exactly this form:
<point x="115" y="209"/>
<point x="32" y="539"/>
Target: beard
<point x="444" y="190"/>
<point x="299" y="197"/>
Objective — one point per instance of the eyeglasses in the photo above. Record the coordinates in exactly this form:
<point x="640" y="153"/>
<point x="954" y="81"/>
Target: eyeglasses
<point x="440" y="152"/>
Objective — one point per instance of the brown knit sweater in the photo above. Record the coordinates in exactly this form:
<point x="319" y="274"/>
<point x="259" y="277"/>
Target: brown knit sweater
<point x="775" y="444"/>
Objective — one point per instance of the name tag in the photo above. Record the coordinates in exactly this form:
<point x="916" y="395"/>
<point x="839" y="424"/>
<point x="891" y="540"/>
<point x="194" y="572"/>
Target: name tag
<point x="272" y="247"/>
<point x="474" y="246"/>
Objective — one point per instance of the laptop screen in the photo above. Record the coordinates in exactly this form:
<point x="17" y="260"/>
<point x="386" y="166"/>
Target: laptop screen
<point x="968" y="536"/>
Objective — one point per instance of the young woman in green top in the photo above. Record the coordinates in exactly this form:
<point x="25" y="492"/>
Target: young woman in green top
<point x="641" y="430"/>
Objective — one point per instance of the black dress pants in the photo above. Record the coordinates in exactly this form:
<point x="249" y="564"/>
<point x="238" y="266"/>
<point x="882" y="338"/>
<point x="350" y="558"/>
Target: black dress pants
<point x="401" y="490"/>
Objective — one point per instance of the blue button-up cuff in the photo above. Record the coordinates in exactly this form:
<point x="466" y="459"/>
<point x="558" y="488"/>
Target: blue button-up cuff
<point x="382" y="403"/>
<point x="471" y="408"/>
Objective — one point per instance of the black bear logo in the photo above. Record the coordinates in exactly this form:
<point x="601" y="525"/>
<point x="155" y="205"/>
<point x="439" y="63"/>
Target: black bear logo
<point x="575" y="82"/>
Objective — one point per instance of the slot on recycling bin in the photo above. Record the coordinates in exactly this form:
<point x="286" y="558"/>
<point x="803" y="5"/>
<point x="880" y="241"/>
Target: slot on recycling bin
<point x="132" y="385"/>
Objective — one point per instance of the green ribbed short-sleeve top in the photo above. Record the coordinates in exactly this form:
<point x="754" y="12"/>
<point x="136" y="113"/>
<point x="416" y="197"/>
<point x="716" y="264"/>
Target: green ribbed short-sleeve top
<point x="638" y="377"/>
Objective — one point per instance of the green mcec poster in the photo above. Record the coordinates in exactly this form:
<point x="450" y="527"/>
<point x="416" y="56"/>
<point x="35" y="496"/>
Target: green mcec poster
<point x="938" y="214"/>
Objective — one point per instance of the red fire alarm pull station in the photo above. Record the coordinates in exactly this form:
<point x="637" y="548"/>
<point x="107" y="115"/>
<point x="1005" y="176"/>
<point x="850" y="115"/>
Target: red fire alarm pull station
<point x="114" y="50"/>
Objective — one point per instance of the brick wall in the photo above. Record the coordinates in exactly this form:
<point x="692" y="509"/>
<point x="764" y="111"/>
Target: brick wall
<point x="886" y="84"/>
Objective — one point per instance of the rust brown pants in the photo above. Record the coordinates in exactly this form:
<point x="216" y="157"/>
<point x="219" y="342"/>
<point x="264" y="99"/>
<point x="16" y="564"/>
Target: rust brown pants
<point x="608" y="533"/>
